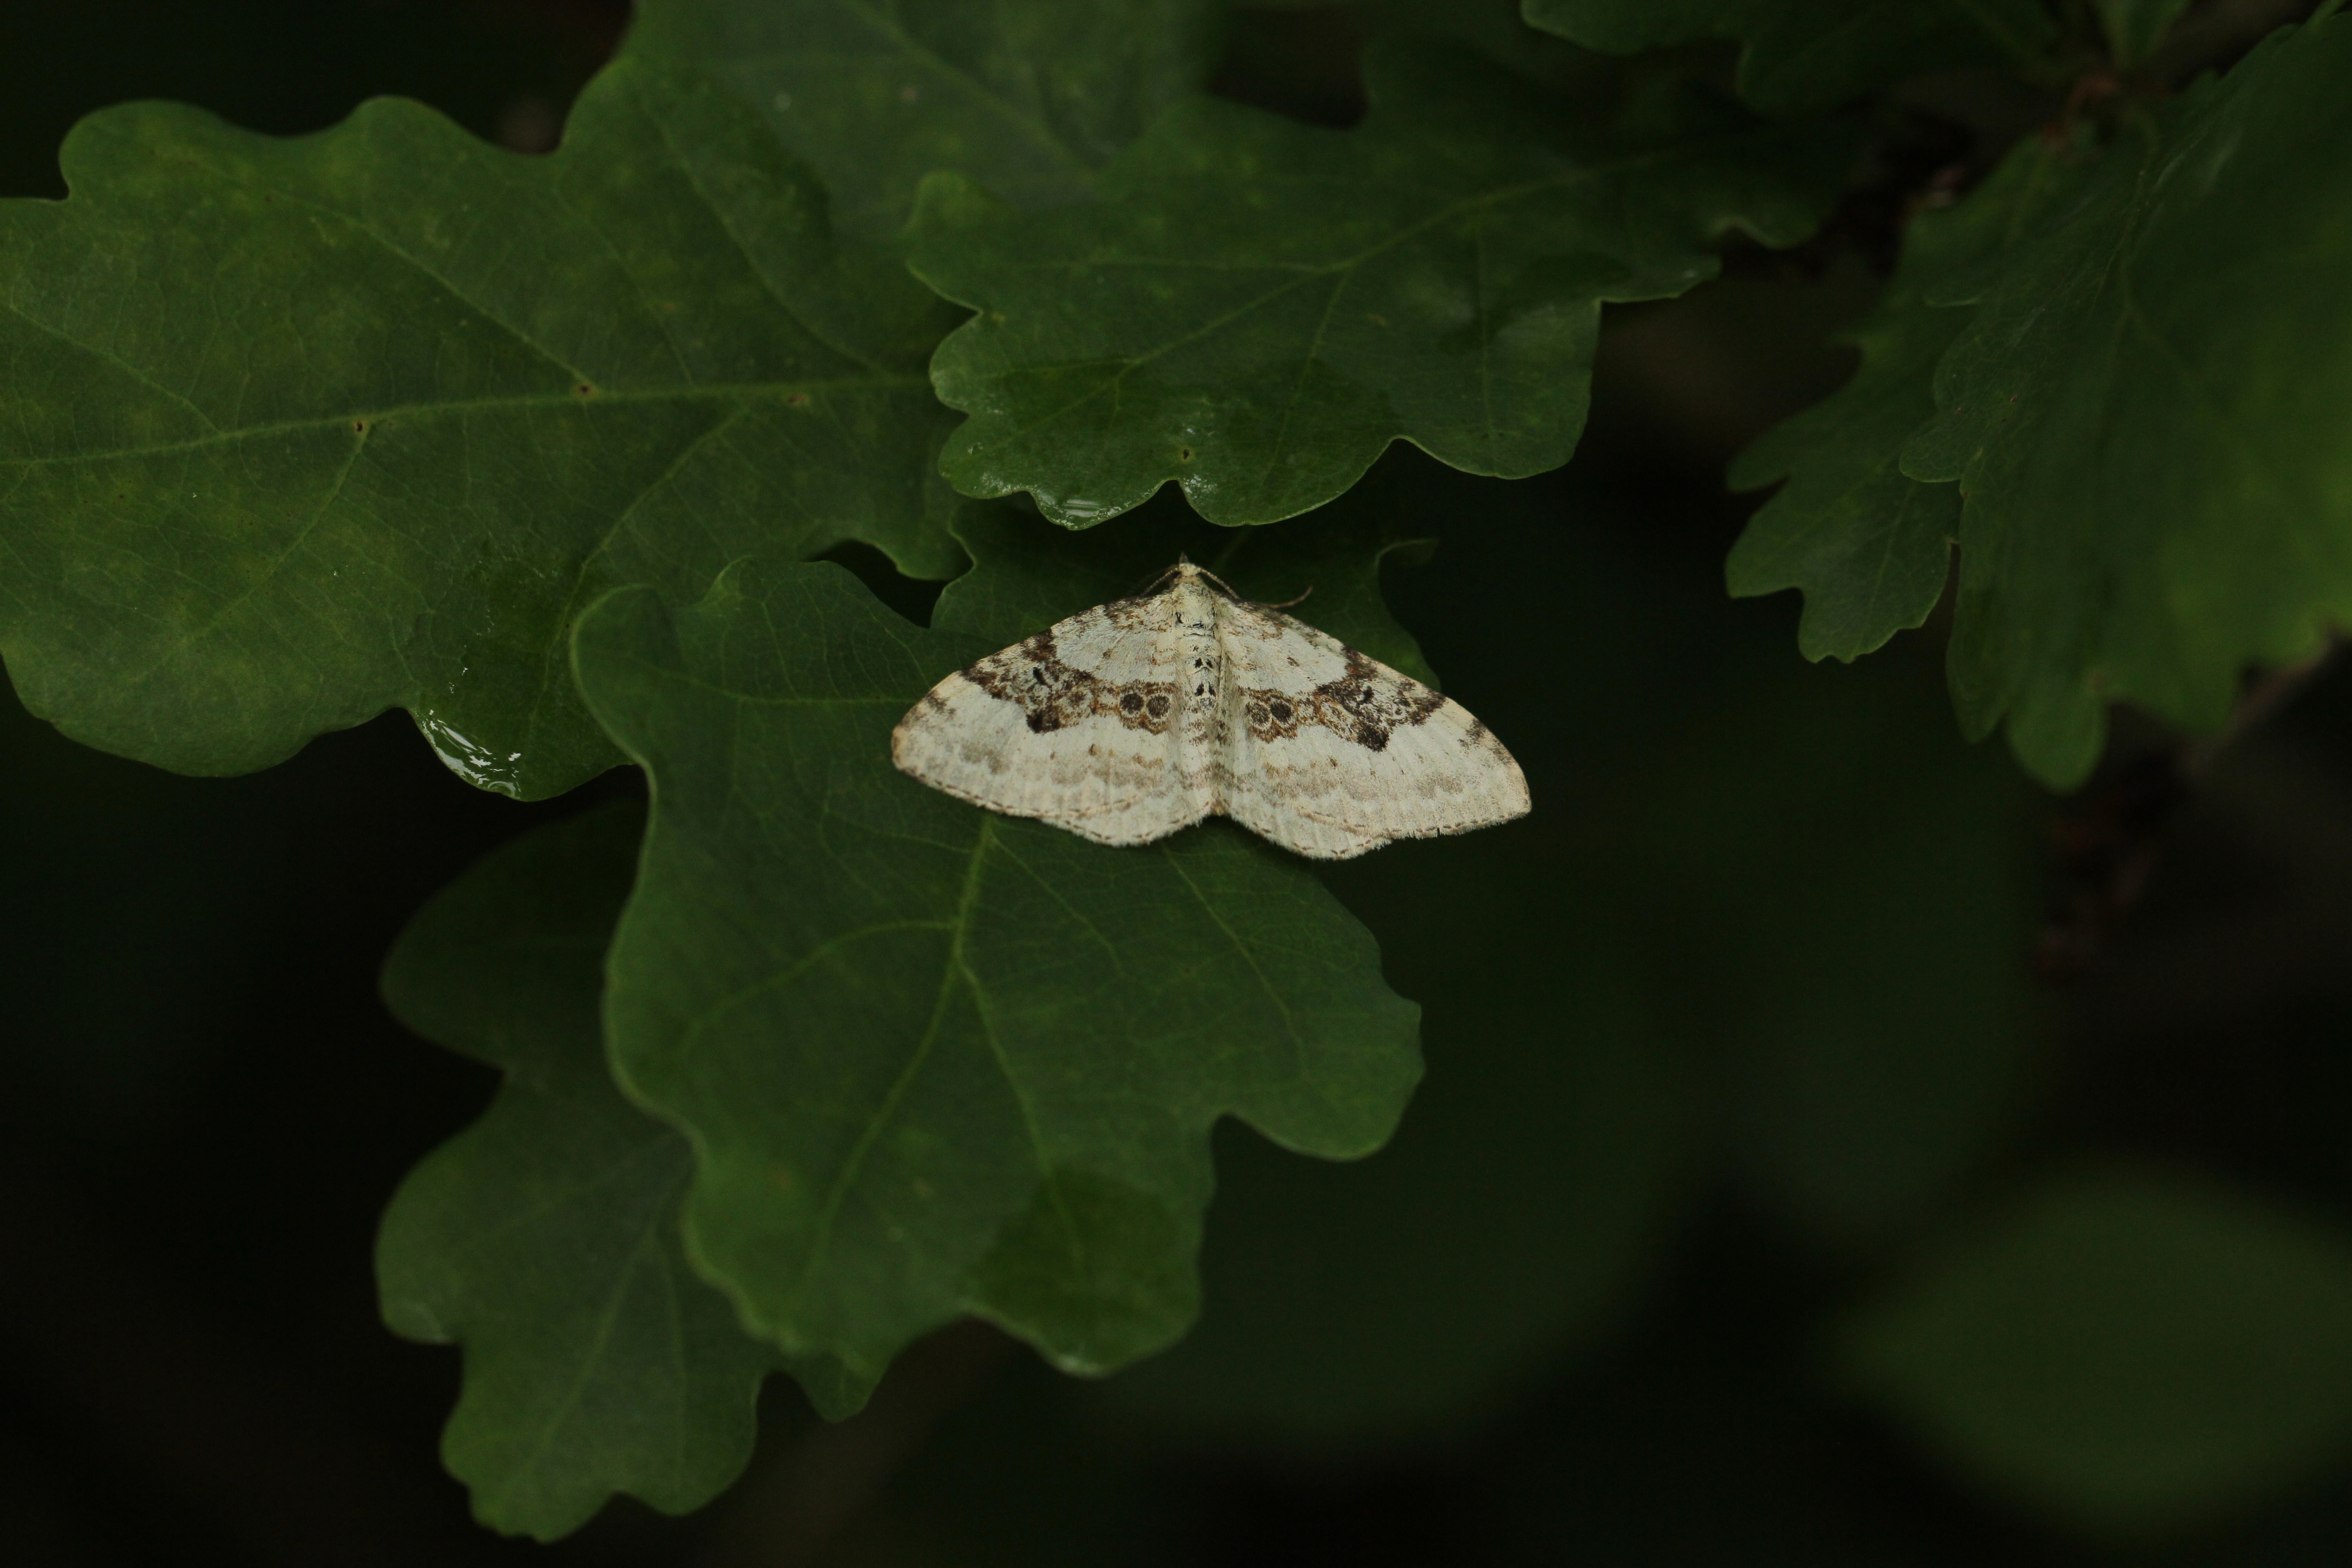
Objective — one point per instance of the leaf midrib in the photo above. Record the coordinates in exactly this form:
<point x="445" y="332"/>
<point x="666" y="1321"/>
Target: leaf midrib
<point x="647" y="1259"/>
<point x="701" y="391"/>
<point x="851" y="1167"/>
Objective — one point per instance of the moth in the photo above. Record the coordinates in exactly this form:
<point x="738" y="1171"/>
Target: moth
<point x="1142" y="716"/>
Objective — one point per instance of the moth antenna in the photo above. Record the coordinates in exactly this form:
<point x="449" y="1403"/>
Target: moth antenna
<point x="1287" y="603"/>
<point x="1219" y="582"/>
<point x="1161" y="581"/>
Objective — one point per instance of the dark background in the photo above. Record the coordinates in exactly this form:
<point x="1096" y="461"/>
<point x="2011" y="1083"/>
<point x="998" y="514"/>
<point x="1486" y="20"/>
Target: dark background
<point x="207" y="1108"/>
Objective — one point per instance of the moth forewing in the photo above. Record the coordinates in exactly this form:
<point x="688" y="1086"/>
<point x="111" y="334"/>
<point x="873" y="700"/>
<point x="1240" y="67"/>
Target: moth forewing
<point x="1336" y="753"/>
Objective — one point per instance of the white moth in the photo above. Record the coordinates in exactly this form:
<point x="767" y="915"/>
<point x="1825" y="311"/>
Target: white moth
<point x="1137" y="718"/>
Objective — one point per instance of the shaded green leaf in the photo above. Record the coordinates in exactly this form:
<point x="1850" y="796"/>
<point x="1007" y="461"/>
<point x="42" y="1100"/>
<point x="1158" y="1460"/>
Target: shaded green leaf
<point x="1254" y="309"/>
<point x="2134" y="27"/>
<point x="936" y="1061"/>
<point x="1496" y="29"/>
<point x="1866" y="1079"/>
<point x="298" y="429"/>
<point x="2147" y="414"/>
<point x="1829" y="897"/>
<point x="1028" y="97"/>
<point x="1021" y="1476"/>
<point x="1838" y="894"/>
<point x="1506" y="1228"/>
<point x="2130" y="1350"/>
<point x="545" y="1238"/>
<point x="1800" y="57"/>
<point x="1870" y="547"/>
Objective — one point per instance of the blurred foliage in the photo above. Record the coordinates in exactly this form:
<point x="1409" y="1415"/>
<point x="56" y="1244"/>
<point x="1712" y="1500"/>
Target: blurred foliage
<point x="1762" y="1203"/>
<point x="2135" y="1349"/>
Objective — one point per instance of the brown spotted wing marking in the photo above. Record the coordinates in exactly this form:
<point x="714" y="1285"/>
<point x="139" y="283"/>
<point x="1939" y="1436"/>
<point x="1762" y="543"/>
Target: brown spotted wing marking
<point x="1055" y="694"/>
<point x="1086" y="725"/>
<point x="1366" y="703"/>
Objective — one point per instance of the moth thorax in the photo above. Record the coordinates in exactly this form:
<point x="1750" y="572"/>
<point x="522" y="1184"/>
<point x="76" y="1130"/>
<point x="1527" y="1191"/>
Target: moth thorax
<point x="1201" y="665"/>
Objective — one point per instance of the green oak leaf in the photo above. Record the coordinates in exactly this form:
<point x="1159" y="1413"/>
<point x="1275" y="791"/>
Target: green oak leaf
<point x="2150" y="415"/>
<point x="1254" y="309"/>
<point x="1801" y="56"/>
<point x="1028" y="97"/>
<point x="298" y="429"/>
<point x="545" y="1238"/>
<point x="932" y="1060"/>
<point x="1870" y="547"/>
<point x="2130" y="1350"/>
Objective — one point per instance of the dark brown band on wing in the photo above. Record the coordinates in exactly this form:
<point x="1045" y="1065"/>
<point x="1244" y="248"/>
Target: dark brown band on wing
<point x="1365" y="704"/>
<point x="1054" y="694"/>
